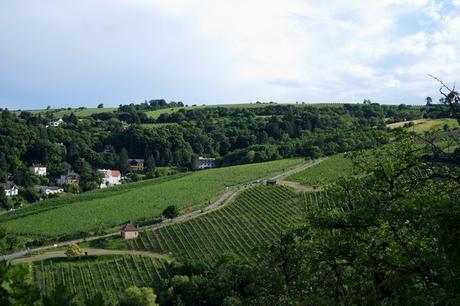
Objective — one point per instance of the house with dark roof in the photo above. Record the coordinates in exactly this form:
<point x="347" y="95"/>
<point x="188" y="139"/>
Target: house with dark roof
<point x="70" y="178"/>
<point x="136" y="164"/>
<point x="129" y="231"/>
<point x="11" y="189"/>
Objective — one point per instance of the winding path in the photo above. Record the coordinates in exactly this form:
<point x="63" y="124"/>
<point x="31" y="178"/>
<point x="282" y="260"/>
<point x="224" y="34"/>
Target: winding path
<point x="225" y="198"/>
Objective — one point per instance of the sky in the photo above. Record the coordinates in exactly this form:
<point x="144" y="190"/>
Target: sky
<point x="70" y="53"/>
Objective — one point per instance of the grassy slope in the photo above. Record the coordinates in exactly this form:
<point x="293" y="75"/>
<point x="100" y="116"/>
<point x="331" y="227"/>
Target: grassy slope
<point x="132" y="202"/>
<point x="256" y="217"/>
<point x="79" y="112"/>
<point x="109" y="275"/>
<point x="425" y="125"/>
<point x="324" y="172"/>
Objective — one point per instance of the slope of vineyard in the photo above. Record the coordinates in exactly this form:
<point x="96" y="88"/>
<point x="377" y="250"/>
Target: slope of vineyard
<point x="256" y="217"/>
<point x="325" y="172"/>
<point x="134" y="202"/>
<point x="110" y="275"/>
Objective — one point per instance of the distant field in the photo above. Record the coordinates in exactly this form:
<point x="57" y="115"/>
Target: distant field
<point x="425" y="125"/>
<point x="78" y="112"/>
<point x="133" y="202"/>
<point x="255" y="218"/>
<point x="109" y="275"/>
<point x="325" y="172"/>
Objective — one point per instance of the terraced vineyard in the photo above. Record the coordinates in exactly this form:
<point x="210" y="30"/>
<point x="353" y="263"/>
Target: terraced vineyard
<point x="110" y="275"/>
<point x="133" y="202"/>
<point x="256" y="217"/>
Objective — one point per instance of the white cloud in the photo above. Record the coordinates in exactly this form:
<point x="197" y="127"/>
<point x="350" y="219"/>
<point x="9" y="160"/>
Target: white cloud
<point x="242" y="50"/>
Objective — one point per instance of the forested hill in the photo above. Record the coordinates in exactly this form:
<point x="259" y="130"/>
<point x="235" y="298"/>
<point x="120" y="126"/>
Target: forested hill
<point x="233" y="135"/>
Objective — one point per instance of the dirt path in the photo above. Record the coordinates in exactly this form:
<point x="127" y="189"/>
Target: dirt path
<point x="91" y="252"/>
<point x="299" y="187"/>
<point x="225" y="198"/>
<point x="295" y="185"/>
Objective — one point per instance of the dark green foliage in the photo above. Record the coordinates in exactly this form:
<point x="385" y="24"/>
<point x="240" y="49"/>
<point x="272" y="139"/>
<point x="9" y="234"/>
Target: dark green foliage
<point x="171" y="212"/>
<point x="4" y="203"/>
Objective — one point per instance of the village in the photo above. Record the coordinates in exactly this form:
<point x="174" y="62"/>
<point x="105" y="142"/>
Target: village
<point x="69" y="182"/>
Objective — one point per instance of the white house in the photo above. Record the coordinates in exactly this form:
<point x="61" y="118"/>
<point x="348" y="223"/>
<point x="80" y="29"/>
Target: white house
<point x="51" y="190"/>
<point x="109" y="177"/>
<point x="11" y="190"/>
<point x="38" y="170"/>
<point x="206" y="162"/>
<point x="70" y="178"/>
<point x="55" y="123"/>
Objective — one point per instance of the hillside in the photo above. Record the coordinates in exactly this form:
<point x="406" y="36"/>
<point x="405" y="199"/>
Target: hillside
<point x="257" y="217"/>
<point x="133" y="202"/>
<point x="110" y="275"/>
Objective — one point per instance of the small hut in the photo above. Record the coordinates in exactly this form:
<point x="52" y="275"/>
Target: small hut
<point x="129" y="231"/>
<point x="271" y="182"/>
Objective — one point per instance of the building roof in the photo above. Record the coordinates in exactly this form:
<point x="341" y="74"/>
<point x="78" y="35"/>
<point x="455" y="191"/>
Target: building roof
<point x="206" y="158"/>
<point x="116" y="172"/>
<point x="37" y="166"/>
<point x="50" y="188"/>
<point x="9" y="185"/>
<point x="129" y="228"/>
<point x="135" y="160"/>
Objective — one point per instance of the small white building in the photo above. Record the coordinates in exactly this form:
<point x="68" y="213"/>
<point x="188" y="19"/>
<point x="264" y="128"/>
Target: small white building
<point x="38" y="170"/>
<point x="11" y="189"/>
<point x="55" y="123"/>
<point x="206" y="162"/>
<point x="129" y="231"/>
<point x="70" y="178"/>
<point x="109" y="177"/>
<point x="51" y="190"/>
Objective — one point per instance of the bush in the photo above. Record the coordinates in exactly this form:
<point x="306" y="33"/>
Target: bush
<point x="171" y="212"/>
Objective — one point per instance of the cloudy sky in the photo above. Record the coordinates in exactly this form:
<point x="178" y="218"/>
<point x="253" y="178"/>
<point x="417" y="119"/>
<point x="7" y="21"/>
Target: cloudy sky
<point x="85" y="52"/>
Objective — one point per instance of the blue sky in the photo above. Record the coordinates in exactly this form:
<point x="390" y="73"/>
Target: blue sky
<point x="83" y="52"/>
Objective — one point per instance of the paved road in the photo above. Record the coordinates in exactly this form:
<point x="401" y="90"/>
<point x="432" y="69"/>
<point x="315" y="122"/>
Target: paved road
<point x="229" y="194"/>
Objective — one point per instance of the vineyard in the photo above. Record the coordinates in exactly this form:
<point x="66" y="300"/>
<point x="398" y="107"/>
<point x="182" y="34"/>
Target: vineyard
<point x="133" y="202"/>
<point x="110" y="275"/>
<point x="325" y="172"/>
<point x="256" y="217"/>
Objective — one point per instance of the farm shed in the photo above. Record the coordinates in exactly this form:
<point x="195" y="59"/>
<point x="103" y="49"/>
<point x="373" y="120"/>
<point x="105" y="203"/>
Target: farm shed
<point x="129" y="231"/>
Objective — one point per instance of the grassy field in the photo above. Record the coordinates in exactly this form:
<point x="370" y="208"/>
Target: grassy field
<point x="325" y="172"/>
<point x="424" y="125"/>
<point x="109" y="275"/>
<point x="134" y="202"/>
<point x="256" y="217"/>
<point x="86" y="112"/>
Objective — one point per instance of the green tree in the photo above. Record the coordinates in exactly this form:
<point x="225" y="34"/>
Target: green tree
<point x="134" y="296"/>
<point x="195" y="163"/>
<point x="123" y="163"/>
<point x="59" y="297"/>
<point x="171" y="212"/>
<point x="150" y="165"/>
<point x="100" y="105"/>
<point x="4" y="203"/>
<point x="73" y="250"/>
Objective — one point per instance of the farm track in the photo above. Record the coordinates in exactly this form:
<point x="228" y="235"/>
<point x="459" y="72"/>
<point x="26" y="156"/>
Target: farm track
<point x="225" y="198"/>
<point x="90" y="251"/>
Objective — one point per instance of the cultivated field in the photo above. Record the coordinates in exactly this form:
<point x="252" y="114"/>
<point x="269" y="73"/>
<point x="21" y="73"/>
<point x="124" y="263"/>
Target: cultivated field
<point x="133" y="202"/>
<point x="424" y="125"/>
<point x="325" y="172"/>
<point x="109" y="275"/>
<point x="85" y="112"/>
<point x="256" y="217"/>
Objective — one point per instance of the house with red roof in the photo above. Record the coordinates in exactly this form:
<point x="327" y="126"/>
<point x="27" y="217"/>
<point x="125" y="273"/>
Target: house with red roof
<point x="109" y="177"/>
